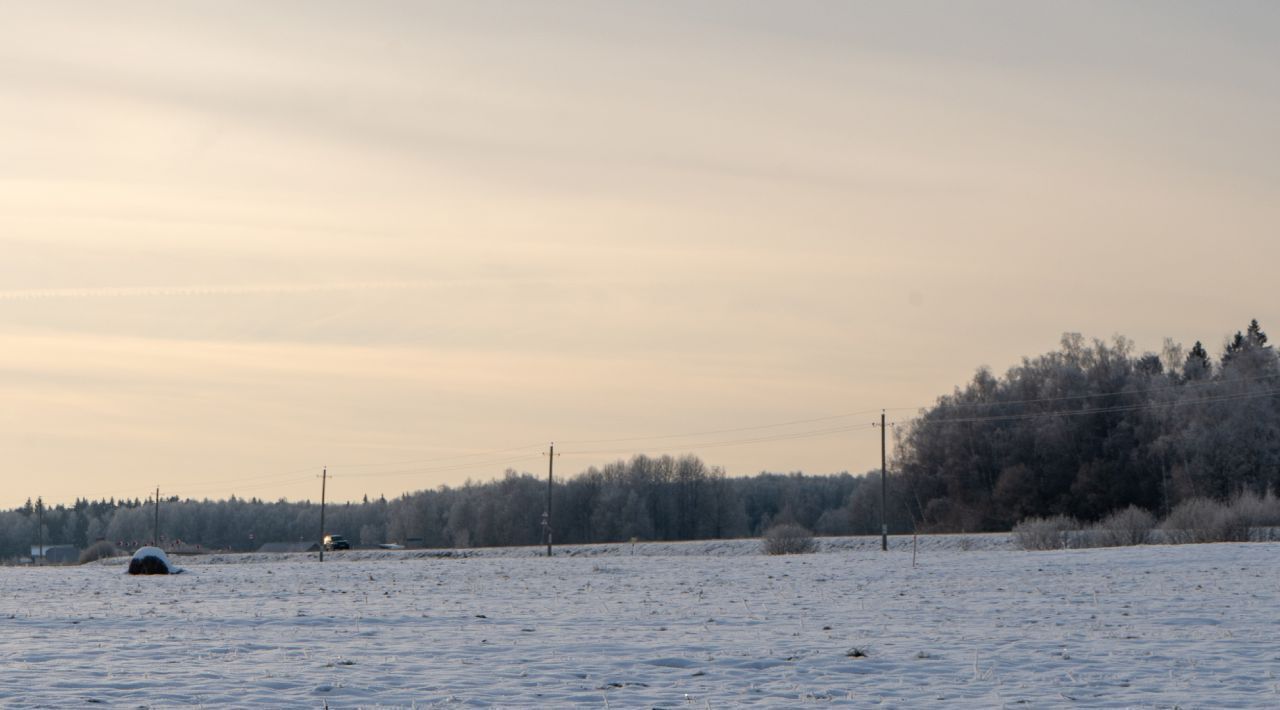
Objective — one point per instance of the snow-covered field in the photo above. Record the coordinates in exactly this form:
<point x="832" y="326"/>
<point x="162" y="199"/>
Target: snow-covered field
<point x="974" y="624"/>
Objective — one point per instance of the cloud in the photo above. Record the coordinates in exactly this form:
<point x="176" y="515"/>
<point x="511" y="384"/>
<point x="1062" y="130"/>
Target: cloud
<point x="191" y="291"/>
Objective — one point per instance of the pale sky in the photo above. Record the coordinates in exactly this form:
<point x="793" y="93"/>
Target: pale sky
<point x="416" y="242"/>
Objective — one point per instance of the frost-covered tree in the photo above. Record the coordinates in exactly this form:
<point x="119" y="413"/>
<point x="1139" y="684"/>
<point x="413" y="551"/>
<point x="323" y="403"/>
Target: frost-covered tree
<point x="1089" y="429"/>
<point x="1197" y="366"/>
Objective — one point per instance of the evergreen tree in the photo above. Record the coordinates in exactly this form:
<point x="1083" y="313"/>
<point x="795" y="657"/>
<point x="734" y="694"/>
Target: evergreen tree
<point x="1255" y="336"/>
<point x="1197" y="365"/>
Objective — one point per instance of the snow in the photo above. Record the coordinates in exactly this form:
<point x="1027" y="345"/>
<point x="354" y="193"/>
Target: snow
<point x="974" y="624"/>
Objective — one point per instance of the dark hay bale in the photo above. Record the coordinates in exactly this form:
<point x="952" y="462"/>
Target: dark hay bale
<point x="151" y="560"/>
<point x="148" y="565"/>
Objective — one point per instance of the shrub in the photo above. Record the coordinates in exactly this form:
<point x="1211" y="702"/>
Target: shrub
<point x="97" y="551"/>
<point x="1131" y="526"/>
<point x="1260" y="514"/>
<point x="1198" y="520"/>
<point x="789" y="539"/>
<point x="1052" y="533"/>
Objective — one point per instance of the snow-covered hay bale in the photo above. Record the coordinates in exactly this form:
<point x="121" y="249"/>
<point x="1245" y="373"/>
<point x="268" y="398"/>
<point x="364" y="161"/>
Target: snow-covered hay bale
<point x="151" y="560"/>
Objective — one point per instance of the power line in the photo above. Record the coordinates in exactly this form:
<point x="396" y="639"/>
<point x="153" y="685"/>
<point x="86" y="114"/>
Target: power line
<point x="934" y="414"/>
<point x="741" y="442"/>
<point x="276" y="480"/>
<point x="249" y="487"/>
<point x="1099" y="410"/>
<point x="722" y="431"/>
<point x="437" y="459"/>
<point x="265" y="477"/>
<point x="264" y="482"/>
<point x="372" y="474"/>
<point x="455" y="467"/>
<point x="1066" y="398"/>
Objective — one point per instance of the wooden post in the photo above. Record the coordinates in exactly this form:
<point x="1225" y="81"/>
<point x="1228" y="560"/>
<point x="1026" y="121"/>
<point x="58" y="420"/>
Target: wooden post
<point x="40" y="527"/>
<point x="884" y="524"/>
<point x="155" y="525"/>
<point x="324" y="477"/>
<point x="551" y="464"/>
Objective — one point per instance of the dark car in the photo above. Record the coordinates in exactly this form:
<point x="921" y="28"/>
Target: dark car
<point x="336" y="542"/>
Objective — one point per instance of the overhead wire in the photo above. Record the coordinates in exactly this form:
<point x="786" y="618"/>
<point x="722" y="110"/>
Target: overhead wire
<point x="739" y="442"/>
<point x="246" y="487"/>
<point x="488" y="452"/>
<point x="460" y="462"/>
<point x="436" y="469"/>
<point x="1090" y="395"/>
<point x="1097" y="410"/>
<point x="722" y="431"/>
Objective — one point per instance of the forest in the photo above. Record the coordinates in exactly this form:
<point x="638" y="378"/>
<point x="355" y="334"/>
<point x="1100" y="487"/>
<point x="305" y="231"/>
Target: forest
<point x="1090" y="428"/>
<point x="645" y="498"/>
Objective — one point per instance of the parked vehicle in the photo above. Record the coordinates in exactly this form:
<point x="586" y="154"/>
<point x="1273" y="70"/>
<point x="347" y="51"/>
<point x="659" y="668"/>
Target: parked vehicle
<point x="336" y="542"/>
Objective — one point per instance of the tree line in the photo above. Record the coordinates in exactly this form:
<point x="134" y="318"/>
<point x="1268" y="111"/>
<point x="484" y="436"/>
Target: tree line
<point x="1092" y="428"/>
<point x="644" y="498"/>
<point x="1087" y="429"/>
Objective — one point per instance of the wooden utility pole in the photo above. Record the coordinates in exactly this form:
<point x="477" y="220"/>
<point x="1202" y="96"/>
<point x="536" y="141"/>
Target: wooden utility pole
<point x="324" y="477"/>
<point x="40" y="527"/>
<point x="884" y="520"/>
<point x="546" y="517"/>
<point x="155" y="524"/>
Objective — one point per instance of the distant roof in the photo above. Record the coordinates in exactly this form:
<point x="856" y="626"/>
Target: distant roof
<point x="35" y="549"/>
<point x="290" y="547"/>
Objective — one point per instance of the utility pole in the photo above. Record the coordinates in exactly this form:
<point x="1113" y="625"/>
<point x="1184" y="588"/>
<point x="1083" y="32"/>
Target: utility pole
<point x="155" y="525"/>
<point x="40" y="527"/>
<point x="884" y="521"/>
<point x="546" y="517"/>
<point x="324" y="476"/>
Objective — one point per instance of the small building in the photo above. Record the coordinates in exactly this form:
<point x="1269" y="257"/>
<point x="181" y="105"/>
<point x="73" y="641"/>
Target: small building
<point x="55" y="554"/>
<point x="289" y="547"/>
